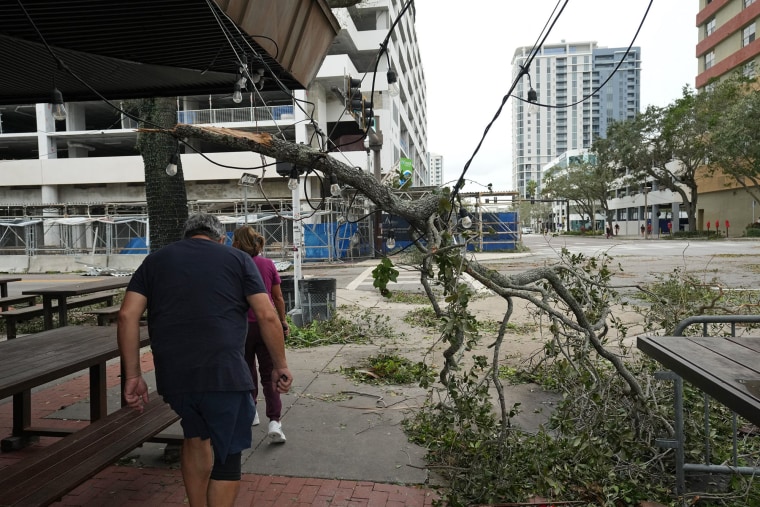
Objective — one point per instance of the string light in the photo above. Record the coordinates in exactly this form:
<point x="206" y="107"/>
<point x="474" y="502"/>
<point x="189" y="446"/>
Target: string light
<point x="171" y="167"/>
<point x="464" y="218"/>
<point x="393" y="88"/>
<point x="294" y="180"/>
<point x="59" y="108"/>
<point x="334" y="186"/>
<point x="390" y="242"/>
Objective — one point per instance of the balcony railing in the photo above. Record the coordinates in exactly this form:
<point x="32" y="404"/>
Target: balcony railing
<point x="236" y="115"/>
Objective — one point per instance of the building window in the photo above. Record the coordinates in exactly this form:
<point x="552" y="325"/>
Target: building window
<point x="747" y="3"/>
<point x="748" y="35"/>
<point x="709" y="59"/>
<point x="710" y="27"/>
<point x="749" y="70"/>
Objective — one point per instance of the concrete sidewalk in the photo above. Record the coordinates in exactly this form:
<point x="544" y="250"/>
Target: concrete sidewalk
<point x="344" y="446"/>
<point x="345" y="442"/>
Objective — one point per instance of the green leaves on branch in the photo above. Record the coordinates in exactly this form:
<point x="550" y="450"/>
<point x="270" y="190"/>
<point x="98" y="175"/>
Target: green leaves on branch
<point x="383" y="274"/>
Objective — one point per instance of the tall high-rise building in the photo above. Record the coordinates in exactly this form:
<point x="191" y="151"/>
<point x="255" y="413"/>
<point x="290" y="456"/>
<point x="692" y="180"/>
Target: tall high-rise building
<point x="436" y="170"/>
<point x="727" y="39"/>
<point x="564" y="77"/>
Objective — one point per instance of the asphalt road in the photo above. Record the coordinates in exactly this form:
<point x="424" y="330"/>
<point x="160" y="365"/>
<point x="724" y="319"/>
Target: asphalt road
<point x="734" y="262"/>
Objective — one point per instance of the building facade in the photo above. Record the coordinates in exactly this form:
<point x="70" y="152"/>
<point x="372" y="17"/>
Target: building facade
<point x="727" y="40"/>
<point x="569" y="117"/>
<point x="727" y="44"/>
<point x="436" y="170"/>
<point x="88" y="164"/>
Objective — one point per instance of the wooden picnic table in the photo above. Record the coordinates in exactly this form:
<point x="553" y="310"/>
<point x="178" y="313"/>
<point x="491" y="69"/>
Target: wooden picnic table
<point x="39" y="358"/>
<point x="726" y="368"/>
<point x="4" y="281"/>
<point x="61" y="292"/>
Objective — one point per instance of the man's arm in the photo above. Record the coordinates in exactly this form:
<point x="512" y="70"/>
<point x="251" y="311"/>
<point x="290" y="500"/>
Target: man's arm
<point x="274" y="339"/>
<point x="128" y="338"/>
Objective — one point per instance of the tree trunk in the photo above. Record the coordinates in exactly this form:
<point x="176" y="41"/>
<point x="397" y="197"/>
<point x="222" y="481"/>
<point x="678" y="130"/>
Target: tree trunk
<point x="166" y="195"/>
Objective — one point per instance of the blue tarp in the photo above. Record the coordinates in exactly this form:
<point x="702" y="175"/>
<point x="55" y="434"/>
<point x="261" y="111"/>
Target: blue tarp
<point x="504" y="235"/>
<point x="320" y="239"/>
<point x="135" y="246"/>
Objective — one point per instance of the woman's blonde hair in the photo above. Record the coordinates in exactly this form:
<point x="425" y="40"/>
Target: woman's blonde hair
<point x="245" y="238"/>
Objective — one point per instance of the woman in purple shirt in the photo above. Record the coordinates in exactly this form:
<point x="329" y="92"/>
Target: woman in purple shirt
<point x="245" y="238"/>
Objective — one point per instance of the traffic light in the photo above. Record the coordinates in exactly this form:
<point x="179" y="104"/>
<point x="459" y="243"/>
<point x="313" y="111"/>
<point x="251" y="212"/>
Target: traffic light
<point x="368" y="114"/>
<point x="358" y="106"/>
<point x="353" y="97"/>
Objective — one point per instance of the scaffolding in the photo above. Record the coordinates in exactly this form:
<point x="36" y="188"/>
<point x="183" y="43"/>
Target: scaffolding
<point x="336" y="230"/>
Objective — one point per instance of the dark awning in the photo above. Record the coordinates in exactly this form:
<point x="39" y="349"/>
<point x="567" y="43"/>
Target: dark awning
<point x="148" y="48"/>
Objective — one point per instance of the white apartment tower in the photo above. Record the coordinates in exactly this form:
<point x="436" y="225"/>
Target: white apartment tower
<point x="401" y="117"/>
<point x="436" y="170"/>
<point x="564" y="77"/>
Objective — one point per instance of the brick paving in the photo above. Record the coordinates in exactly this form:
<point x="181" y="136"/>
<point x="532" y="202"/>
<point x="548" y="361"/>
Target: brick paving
<point x="125" y="486"/>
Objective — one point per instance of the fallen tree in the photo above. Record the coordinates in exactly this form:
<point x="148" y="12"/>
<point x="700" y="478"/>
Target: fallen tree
<point x="430" y="216"/>
<point x="609" y="422"/>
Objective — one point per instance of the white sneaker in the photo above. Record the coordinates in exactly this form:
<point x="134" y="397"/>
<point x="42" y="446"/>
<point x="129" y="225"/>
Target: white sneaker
<point x="276" y="436"/>
<point x="256" y="421"/>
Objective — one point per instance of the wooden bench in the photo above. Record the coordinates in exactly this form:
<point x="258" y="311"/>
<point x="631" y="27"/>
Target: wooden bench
<point x="105" y="315"/>
<point x="13" y="317"/>
<point x="59" y="468"/>
<point x="17" y="300"/>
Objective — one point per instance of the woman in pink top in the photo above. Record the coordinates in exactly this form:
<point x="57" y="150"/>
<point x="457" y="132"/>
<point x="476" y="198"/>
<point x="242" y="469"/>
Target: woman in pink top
<point x="245" y="238"/>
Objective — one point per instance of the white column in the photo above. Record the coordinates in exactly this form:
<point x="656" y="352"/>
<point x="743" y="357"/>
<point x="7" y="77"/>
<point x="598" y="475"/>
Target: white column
<point x="47" y="150"/>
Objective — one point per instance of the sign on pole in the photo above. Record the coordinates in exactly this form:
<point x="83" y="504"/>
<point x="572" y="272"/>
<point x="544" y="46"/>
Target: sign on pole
<point x="248" y="180"/>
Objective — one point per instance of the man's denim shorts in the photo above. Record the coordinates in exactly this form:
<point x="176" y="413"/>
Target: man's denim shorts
<point x="224" y="417"/>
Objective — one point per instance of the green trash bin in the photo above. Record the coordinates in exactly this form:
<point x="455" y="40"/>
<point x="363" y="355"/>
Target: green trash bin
<point x="288" y="291"/>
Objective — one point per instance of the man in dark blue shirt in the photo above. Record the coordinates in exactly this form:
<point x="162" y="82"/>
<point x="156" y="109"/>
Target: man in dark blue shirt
<point x="197" y="292"/>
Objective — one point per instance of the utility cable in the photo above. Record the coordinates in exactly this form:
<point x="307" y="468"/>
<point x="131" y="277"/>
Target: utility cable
<point x="604" y="83"/>
<point x="523" y="71"/>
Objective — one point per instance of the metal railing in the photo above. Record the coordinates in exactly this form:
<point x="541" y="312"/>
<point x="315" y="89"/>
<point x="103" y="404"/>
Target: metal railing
<point x="236" y="115"/>
<point x="677" y="443"/>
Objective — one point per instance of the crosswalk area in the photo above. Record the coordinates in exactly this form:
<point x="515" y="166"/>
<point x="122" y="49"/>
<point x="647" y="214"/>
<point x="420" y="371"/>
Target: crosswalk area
<point x="408" y="279"/>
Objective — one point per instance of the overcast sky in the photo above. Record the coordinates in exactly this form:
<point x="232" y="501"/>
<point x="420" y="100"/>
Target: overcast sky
<point x="467" y="48"/>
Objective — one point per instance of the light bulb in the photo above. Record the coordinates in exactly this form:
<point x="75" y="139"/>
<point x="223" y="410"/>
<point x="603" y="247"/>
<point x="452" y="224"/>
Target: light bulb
<point x="393" y="88"/>
<point x="171" y="167"/>
<point x="532" y="101"/>
<point x="466" y="222"/>
<point x="293" y="183"/>
<point x="390" y="243"/>
<point x="334" y="186"/>
<point x="59" y="108"/>
<point x="237" y="96"/>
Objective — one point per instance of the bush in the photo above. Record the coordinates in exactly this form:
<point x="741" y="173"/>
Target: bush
<point x="697" y="235"/>
<point x="753" y="230"/>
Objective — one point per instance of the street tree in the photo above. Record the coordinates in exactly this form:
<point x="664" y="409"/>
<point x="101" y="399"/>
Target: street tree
<point x="165" y="193"/>
<point x="665" y="145"/>
<point x="585" y="184"/>
<point x="734" y="136"/>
